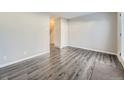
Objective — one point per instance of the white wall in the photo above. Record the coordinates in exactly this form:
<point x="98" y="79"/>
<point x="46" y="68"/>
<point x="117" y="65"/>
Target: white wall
<point x="64" y="32"/>
<point x="97" y="31"/>
<point x="23" y="35"/>
<point x="1" y="48"/>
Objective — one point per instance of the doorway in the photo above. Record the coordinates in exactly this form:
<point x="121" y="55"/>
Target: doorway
<point x="52" y="32"/>
<point x="55" y="32"/>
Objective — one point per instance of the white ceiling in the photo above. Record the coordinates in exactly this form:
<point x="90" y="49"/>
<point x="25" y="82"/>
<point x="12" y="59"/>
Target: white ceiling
<point x="69" y="15"/>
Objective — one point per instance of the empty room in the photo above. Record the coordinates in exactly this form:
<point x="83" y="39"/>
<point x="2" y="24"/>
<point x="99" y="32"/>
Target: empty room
<point x="61" y="46"/>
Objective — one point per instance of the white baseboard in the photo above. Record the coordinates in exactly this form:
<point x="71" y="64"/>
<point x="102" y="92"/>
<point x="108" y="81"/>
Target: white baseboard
<point x="61" y="46"/>
<point x="64" y="46"/>
<point x="23" y="59"/>
<point x="94" y="50"/>
<point x="121" y="60"/>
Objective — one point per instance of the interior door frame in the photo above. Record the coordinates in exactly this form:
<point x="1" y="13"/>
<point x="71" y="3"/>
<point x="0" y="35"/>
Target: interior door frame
<point x="120" y="23"/>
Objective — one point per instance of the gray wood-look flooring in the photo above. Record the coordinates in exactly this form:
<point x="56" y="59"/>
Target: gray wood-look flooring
<point x="66" y="64"/>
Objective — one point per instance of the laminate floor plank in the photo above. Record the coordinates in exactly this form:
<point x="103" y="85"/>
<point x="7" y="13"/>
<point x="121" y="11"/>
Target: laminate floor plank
<point x="68" y="63"/>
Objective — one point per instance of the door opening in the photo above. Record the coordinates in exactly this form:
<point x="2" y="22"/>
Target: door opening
<point x="52" y="32"/>
<point x="55" y="32"/>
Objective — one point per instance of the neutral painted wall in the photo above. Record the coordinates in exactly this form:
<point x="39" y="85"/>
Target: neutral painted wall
<point x="64" y="32"/>
<point x="97" y="31"/>
<point x="1" y="48"/>
<point x="23" y="35"/>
